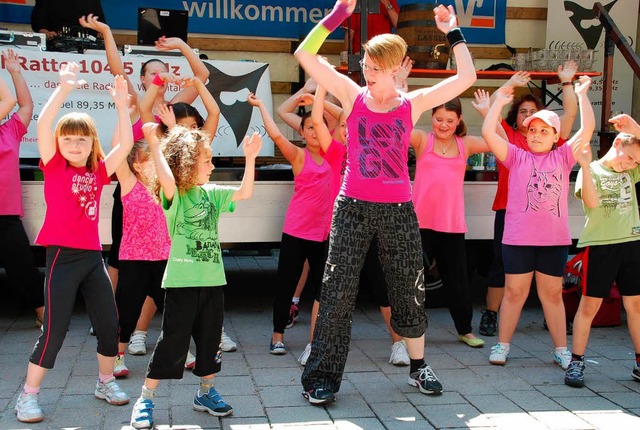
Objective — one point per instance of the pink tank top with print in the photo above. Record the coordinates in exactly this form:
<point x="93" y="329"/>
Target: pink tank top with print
<point x="309" y="211"/>
<point x="438" y="189"/>
<point x="377" y="153"/>
<point x="145" y="235"/>
<point x="136" y="127"/>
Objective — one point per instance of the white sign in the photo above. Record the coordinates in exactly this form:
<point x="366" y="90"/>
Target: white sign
<point x="229" y="81"/>
<point x="575" y="22"/>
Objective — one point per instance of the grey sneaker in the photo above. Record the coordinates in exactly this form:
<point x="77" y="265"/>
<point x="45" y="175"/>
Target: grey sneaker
<point x="138" y="343"/>
<point x="574" y="376"/>
<point x="111" y="393"/>
<point x="305" y="355"/>
<point x="399" y="354"/>
<point x="27" y="408"/>
<point x="226" y="343"/>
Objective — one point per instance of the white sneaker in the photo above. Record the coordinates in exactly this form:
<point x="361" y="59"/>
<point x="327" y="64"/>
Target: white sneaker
<point x="138" y="343"/>
<point x="120" y="369"/>
<point x="499" y="354"/>
<point x="27" y="408"/>
<point x="399" y="354"/>
<point x="305" y="355"/>
<point x="226" y="344"/>
<point x="562" y="358"/>
<point x="191" y="361"/>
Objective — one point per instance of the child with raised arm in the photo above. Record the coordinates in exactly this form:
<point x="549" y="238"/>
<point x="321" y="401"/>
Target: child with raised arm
<point x="611" y="240"/>
<point x="375" y="198"/>
<point x="15" y="250"/>
<point x="75" y="170"/>
<point x="306" y="222"/>
<point x="537" y="202"/>
<point x="194" y="276"/>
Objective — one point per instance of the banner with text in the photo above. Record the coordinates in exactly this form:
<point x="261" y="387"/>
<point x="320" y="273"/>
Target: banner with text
<point x="229" y="81"/>
<point x="483" y="21"/>
<point x="573" y="23"/>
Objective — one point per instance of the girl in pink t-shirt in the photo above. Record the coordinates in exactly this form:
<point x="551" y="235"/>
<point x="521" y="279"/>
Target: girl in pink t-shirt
<point x="438" y="198"/>
<point x="536" y="234"/>
<point x="75" y="170"/>
<point x="305" y="232"/>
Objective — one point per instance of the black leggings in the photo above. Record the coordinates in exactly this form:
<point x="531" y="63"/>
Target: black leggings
<point x="137" y="280"/>
<point x="71" y="270"/>
<point x="293" y="252"/>
<point x="448" y="249"/>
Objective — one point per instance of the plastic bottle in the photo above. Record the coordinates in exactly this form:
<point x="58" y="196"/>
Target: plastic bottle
<point x="490" y="161"/>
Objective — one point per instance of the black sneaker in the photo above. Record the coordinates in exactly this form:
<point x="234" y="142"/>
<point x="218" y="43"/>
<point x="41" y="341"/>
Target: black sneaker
<point x="425" y="380"/>
<point x="635" y="373"/>
<point x="574" y="376"/>
<point x="488" y="323"/>
<point x="319" y="396"/>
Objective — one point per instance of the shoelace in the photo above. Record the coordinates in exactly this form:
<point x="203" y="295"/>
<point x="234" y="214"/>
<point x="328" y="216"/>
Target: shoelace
<point x="426" y="374"/>
<point x="111" y="388"/>
<point x="575" y="369"/>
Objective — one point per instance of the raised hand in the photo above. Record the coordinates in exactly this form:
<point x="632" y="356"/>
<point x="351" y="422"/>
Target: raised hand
<point x="166" y="115"/>
<point x="482" y="103"/>
<point x="169" y="43"/>
<point x="253" y="100"/>
<point x="191" y="81"/>
<point x="567" y="71"/>
<point x="519" y="79"/>
<point x="91" y="21"/>
<point x="252" y="145"/>
<point x="625" y="124"/>
<point x="351" y="5"/>
<point x="405" y="69"/>
<point x="11" y="61"/>
<point x="119" y="92"/>
<point x="583" y="84"/>
<point x="445" y="18"/>
<point x="305" y="99"/>
<point x="582" y="152"/>
<point x="310" y="86"/>
<point x="150" y="131"/>
<point x="69" y="77"/>
<point x="504" y="96"/>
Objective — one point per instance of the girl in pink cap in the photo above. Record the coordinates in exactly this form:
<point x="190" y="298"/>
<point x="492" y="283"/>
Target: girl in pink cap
<point x="536" y="234"/>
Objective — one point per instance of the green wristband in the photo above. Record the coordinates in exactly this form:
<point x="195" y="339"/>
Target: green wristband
<point x="315" y="39"/>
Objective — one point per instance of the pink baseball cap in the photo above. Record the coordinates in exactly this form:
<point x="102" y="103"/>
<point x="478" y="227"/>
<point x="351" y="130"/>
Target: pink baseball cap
<point x="549" y="117"/>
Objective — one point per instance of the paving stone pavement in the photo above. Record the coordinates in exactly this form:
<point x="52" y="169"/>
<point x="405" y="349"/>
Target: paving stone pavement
<point x="527" y="393"/>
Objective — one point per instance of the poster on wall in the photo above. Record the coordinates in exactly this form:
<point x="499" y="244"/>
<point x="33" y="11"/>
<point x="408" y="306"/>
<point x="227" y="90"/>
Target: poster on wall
<point x="483" y="21"/>
<point x="230" y="82"/>
<point x="573" y="24"/>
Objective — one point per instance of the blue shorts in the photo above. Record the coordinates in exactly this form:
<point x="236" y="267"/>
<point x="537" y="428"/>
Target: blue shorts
<point x="549" y="260"/>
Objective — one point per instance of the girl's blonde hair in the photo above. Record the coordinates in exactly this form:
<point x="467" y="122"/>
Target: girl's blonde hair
<point x="181" y="148"/>
<point x="81" y="124"/>
<point x="138" y="155"/>
<point x="387" y="50"/>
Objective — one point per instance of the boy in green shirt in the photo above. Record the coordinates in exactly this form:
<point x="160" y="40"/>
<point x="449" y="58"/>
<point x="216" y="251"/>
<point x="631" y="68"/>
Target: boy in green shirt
<point x="611" y="238"/>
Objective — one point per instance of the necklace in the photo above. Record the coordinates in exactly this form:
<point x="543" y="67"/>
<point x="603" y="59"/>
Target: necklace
<point x="443" y="148"/>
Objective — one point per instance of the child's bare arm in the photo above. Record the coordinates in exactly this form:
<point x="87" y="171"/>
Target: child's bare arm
<point x="322" y="132"/>
<point x="165" y="176"/>
<point x="23" y="96"/>
<point x="119" y="153"/>
<point x="251" y="149"/>
<point x="497" y="144"/>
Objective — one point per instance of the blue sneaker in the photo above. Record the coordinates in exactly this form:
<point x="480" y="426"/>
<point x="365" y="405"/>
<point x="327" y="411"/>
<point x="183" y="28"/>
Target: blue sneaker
<point x="277" y="348"/>
<point x="211" y="402"/>
<point x="142" y="414"/>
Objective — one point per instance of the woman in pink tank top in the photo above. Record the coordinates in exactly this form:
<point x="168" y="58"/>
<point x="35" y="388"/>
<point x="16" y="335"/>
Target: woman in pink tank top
<point x="438" y="198"/>
<point x="305" y="232"/>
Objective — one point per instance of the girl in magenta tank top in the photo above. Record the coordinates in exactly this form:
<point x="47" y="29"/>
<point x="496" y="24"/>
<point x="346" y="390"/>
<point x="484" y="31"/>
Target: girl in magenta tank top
<point x="305" y="230"/>
<point x="438" y="197"/>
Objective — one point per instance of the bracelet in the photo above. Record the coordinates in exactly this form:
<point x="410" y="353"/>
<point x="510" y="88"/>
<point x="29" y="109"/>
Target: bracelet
<point x="389" y="6"/>
<point x="157" y="80"/>
<point x="564" y="84"/>
<point x="454" y="37"/>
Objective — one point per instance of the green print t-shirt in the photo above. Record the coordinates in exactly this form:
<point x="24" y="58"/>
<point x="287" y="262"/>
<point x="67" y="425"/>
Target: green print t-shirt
<point x="195" y="259"/>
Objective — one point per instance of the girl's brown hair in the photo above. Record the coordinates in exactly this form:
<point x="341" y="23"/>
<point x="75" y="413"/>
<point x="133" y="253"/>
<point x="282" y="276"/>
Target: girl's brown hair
<point x="81" y="124"/>
<point x="181" y="148"/>
<point x="512" y="115"/>
<point x="454" y="105"/>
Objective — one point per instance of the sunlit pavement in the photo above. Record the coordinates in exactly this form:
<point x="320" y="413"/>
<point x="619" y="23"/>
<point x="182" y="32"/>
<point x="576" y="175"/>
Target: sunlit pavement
<point x="264" y="390"/>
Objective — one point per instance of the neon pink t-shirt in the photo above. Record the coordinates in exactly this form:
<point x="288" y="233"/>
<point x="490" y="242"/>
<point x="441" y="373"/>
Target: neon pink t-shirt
<point x="537" y="208"/>
<point x="377" y="153"/>
<point x="144" y="228"/>
<point x="309" y="210"/>
<point x="72" y="195"/>
<point x="336" y="156"/>
<point x="438" y="189"/>
<point x="11" y="132"/>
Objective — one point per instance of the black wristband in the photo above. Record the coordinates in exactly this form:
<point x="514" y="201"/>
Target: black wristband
<point x="567" y="84"/>
<point x="454" y="36"/>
